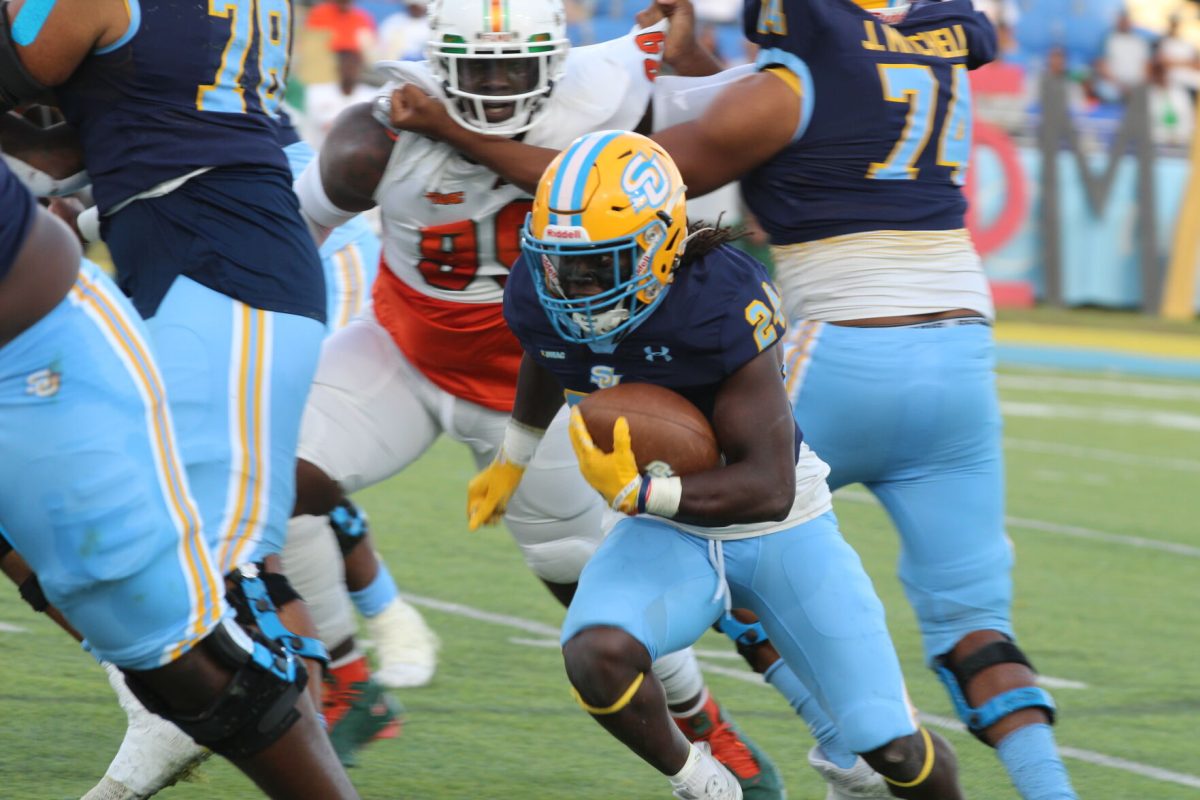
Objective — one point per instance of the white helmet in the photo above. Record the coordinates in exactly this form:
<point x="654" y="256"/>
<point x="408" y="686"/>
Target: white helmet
<point x="497" y="60"/>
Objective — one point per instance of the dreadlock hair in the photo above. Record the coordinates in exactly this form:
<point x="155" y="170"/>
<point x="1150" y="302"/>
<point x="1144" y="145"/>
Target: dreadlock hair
<point x="704" y="237"/>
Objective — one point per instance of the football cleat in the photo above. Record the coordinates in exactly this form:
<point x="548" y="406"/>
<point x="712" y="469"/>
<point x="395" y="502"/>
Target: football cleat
<point x="154" y="754"/>
<point x="859" y="782"/>
<point x="709" y="780"/>
<point x="756" y="774"/>
<point x="358" y="711"/>
<point x="405" y="646"/>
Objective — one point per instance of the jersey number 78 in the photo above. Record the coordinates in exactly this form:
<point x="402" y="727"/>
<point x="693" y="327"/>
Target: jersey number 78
<point x="271" y="20"/>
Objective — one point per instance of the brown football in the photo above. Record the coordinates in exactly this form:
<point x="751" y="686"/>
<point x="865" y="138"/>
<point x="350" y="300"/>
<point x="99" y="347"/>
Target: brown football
<point x="669" y="435"/>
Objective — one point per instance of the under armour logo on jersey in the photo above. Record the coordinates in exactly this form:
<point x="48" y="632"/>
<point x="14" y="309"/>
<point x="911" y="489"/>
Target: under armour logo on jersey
<point x="605" y="377"/>
<point x="43" y="383"/>
<point x="663" y="352"/>
<point x="645" y="181"/>
<point x="447" y="199"/>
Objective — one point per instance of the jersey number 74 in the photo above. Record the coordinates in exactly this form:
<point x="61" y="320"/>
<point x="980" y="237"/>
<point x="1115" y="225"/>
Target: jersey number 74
<point x="917" y="85"/>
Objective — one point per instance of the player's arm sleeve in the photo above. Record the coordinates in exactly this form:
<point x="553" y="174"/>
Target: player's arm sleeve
<point x="320" y="213"/>
<point x="679" y="99"/>
<point x="746" y="124"/>
<point x="619" y="75"/>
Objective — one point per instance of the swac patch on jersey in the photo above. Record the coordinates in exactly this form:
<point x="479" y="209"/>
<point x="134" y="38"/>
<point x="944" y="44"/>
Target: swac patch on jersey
<point x="604" y="377"/>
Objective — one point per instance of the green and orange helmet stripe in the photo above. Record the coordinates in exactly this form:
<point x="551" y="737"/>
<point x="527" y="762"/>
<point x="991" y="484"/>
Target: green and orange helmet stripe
<point x="495" y="15"/>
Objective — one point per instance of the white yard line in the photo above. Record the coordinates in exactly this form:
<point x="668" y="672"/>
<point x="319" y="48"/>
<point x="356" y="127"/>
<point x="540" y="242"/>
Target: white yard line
<point x="1100" y="386"/>
<point x="6" y="627"/>
<point x="1113" y="415"/>
<point x="859" y="496"/>
<point x="530" y="626"/>
<point x="1100" y="454"/>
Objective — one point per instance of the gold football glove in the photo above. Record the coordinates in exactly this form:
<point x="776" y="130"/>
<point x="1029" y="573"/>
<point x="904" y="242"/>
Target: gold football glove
<point x="488" y="492"/>
<point x="614" y="475"/>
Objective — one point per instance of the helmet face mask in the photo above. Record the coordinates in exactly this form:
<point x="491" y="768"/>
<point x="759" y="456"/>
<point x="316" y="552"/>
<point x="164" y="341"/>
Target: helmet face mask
<point x="605" y="234"/>
<point x="498" y="60"/>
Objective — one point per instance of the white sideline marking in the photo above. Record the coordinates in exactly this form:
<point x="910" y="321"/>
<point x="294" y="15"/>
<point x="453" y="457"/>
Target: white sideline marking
<point x="857" y="496"/>
<point x="7" y="627"/>
<point x="1099" y="454"/>
<point x="1170" y="420"/>
<point x="1103" y="386"/>
<point x="545" y="644"/>
<point x="1051" y="682"/>
<point x="1089" y="756"/>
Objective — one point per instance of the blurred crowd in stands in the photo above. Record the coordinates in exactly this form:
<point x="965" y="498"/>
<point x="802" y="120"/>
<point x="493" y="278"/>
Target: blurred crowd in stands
<point x="1102" y="49"/>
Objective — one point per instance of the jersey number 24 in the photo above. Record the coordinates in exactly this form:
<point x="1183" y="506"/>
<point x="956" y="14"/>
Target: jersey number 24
<point x="917" y="85"/>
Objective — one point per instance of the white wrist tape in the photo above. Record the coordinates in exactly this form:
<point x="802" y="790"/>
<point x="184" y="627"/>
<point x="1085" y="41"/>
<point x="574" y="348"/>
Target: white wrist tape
<point x="520" y="442"/>
<point x="88" y="223"/>
<point x="42" y="184"/>
<point x="315" y="204"/>
<point x="663" y="496"/>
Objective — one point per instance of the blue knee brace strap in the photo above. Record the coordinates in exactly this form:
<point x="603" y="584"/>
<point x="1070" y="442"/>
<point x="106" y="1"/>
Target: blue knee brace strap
<point x="743" y="633"/>
<point x="349" y="524"/>
<point x="978" y="719"/>
<point x="261" y="609"/>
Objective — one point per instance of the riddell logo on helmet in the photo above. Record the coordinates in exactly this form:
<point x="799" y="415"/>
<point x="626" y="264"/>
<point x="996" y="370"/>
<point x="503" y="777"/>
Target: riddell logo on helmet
<point x="562" y="233"/>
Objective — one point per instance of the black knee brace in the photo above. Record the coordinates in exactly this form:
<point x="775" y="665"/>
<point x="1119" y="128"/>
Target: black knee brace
<point x="254" y="710"/>
<point x="957" y="677"/>
<point x="349" y="523"/>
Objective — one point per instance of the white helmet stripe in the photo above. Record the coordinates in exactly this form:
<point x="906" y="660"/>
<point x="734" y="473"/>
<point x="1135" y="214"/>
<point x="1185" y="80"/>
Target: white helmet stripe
<point x="571" y="180"/>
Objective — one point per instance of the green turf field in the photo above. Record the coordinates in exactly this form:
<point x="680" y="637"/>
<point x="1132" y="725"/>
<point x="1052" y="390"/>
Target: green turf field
<point x="1104" y="497"/>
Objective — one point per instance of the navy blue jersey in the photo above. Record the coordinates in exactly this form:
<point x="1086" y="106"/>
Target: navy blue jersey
<point x="720" y="312"/>
<point x="886" y="133"/>
<point x="17" y="208"/>
<point x="185" y="88"/>
<point x="238" y="232"/>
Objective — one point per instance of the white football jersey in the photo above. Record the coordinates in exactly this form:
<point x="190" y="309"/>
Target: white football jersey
<point x="451" y="227"/>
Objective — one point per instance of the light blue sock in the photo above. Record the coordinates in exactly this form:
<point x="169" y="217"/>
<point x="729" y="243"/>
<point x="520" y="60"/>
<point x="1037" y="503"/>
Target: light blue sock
<point x="377" y="596"/>
<point x="1031" y="758"/>
<point x="806" y="705"/>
